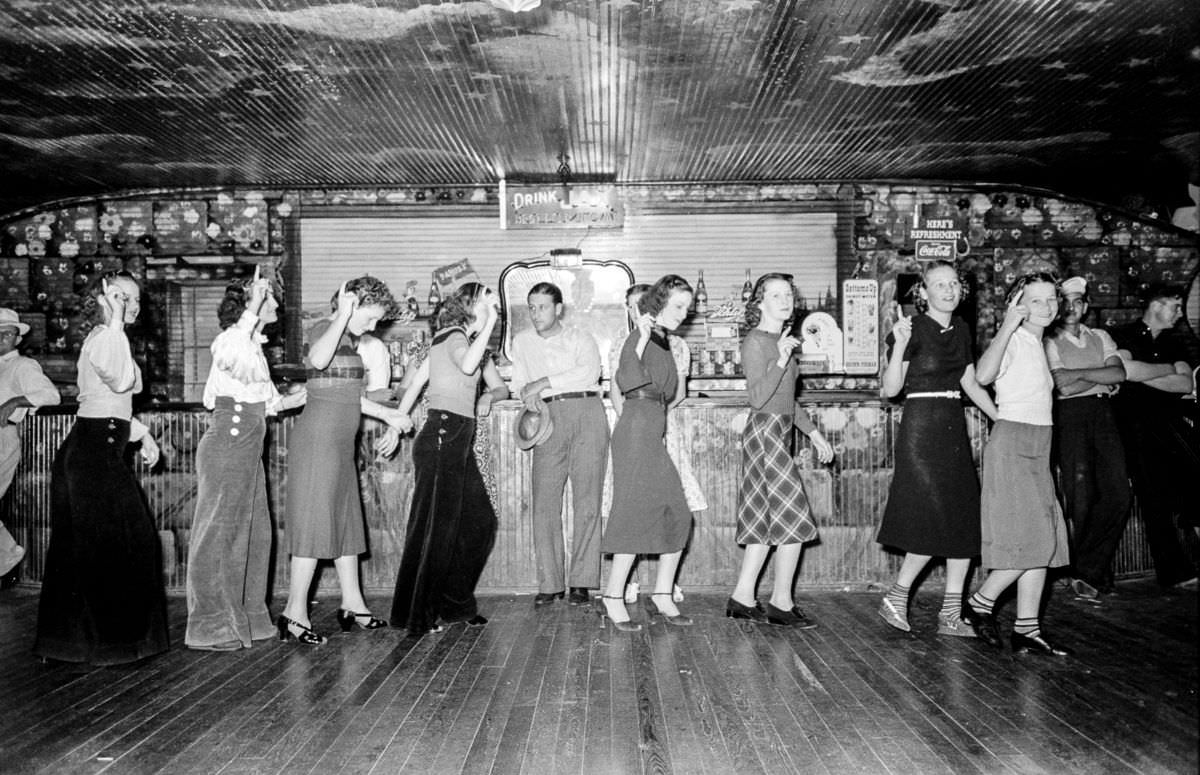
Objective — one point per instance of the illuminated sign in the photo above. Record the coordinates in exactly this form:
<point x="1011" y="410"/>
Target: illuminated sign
<point x="552" y="206"/>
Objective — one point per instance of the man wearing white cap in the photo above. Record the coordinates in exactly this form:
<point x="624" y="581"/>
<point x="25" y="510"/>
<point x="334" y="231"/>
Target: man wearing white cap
<point x="1090" y="457"/>
<point x="22" y="385"/>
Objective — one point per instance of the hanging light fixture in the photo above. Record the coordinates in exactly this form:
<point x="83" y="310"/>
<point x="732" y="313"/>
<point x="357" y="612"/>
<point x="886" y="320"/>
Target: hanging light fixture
<point x="515" y="6"/>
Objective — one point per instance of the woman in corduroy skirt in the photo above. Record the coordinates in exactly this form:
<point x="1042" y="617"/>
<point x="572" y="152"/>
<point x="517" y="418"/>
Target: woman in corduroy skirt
<point x="773" y="510"/>
<point x="229" y="552"/>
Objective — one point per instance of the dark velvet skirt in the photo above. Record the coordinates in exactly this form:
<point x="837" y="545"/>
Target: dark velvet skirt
<point x="451" y="528"/>
<point x="933" y="503"/>
<point x="102" y="596"/>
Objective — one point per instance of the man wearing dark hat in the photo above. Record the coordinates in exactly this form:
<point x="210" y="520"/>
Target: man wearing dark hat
<point x="1157" y="419"/>
<point x="556" y="372"/>
<point x="1091" y="460"/>
<point x="22" y="386"/>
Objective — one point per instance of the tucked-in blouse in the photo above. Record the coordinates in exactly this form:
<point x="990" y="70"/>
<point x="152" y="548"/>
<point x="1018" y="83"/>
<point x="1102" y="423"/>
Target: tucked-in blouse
<point x="1024" y="387"/>
<point x="239" y="368"/>
<point x="108" y="378"/>
<point x="449" y="389"/>
<point x="771" y="389"/>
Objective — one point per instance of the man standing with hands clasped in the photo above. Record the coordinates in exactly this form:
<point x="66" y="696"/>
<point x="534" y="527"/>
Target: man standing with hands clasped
<point x="1091" y="461"/>
<point x="556" y="369"/>
<point x="22" y="386"/>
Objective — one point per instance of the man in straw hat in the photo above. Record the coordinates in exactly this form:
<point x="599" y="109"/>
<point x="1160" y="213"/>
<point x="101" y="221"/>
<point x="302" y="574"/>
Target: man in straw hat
<point x="556" y="372"/>
<point x="22" y="386"/>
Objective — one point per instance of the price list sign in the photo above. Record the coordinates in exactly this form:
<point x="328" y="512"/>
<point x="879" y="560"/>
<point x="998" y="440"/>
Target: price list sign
<point x="860" y="324"/>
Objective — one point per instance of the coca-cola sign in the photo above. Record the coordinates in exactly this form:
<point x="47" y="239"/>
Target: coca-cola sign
<point x="931" y="250"/>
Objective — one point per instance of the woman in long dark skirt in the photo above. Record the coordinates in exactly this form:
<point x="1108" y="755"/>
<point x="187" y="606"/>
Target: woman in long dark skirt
<point x="452" y="525"/>
<point x="933" y="505"/>
<point x="229" y="554"/>
<point x="102" y="596"/>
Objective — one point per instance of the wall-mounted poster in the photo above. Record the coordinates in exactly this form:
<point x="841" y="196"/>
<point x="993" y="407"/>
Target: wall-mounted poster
<point x="860" y="324"/>
<point x="593" y="297"/>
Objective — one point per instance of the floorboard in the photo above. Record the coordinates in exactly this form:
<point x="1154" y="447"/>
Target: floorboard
<point x="556" y="690"/>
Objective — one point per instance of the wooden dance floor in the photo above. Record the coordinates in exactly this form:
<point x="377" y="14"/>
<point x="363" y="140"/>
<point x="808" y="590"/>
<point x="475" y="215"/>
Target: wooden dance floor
<point x="552" y="691"/>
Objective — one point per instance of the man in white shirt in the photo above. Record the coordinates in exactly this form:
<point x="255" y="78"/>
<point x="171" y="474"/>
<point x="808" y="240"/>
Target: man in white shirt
<point x="22" y="386"/>
<point x="1090" y="456"/>
<point x="556" y="369"/>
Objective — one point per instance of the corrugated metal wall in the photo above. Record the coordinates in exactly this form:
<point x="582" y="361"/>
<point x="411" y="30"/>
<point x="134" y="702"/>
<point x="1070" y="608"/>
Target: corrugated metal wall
<point x="723" y="245"/>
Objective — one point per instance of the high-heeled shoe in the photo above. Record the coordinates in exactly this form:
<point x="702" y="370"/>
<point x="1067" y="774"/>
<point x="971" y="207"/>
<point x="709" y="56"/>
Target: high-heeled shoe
<point x="302" y="634"/>
<point x="753" y="613"/>
<point x="625" y="625"/>
<point x="347" y="620"/>
<point x="652" y="610"/>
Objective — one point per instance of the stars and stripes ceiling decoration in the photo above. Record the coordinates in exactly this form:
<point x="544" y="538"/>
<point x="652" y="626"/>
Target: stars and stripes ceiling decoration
<point x="1093" y="98"/>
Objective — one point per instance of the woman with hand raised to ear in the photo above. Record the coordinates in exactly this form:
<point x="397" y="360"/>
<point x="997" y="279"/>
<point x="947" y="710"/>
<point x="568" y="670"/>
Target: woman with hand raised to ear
<point x="452" y="524"/>
<point x="773" y="510"/>
<point x="102" y="596"/>
<point x="933" y="504"/>
<point x="1023" y="530"/>
<point x="229" y="551"/>
<point x="324" y="507"/>
<point x="650" y="513"/>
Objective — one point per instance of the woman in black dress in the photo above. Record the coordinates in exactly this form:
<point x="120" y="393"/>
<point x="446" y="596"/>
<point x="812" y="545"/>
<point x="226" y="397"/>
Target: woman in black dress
<point x="650" y="514"/>
<point x="933" y="505"/>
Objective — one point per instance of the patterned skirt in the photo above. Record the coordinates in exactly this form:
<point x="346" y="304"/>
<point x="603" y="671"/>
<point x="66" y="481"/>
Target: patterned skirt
<point x="772" y="507"/>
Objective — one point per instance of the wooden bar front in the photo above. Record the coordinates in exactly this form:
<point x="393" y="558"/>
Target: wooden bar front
<point x="847" y="497"/>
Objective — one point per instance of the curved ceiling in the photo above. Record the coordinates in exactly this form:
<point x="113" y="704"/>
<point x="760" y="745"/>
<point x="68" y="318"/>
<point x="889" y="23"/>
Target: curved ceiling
<point x="1097" y="98"/>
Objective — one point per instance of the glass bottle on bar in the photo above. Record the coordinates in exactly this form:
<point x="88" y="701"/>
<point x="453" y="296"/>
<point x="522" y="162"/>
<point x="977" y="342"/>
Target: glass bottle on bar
<point x="701" y="296"/>
<point x="435" y="297"/>
<point x="747" y="288"/>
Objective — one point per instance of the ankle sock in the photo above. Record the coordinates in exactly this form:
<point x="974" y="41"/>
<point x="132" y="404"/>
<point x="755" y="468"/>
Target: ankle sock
<point x="898" y="596"/>
<point x="952" y="606"/>
<point x="983" y="605"/>
<point x="1027" y="627"/>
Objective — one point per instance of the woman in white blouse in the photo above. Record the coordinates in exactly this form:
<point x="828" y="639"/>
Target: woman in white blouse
<point x="1021" y="523"/>
<point x="230" y="546"/>
<point x="102" y="597"/>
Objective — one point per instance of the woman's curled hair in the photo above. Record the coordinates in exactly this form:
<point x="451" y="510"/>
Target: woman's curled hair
<point x="458" y="308"/>
<point x="91" y="310"/>
<point x="654" y="300"/>
<point x="754" y="303"/>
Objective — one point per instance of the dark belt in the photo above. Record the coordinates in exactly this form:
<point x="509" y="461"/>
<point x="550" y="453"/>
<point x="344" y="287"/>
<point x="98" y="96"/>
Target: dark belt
<point x="574" y="394"/>
<point x="646" y="395"/>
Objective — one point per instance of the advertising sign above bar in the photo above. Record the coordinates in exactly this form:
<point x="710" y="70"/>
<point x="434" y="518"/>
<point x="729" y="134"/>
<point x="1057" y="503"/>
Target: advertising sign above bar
<point x="557" y="206"/>
<point x="937" y="238"/>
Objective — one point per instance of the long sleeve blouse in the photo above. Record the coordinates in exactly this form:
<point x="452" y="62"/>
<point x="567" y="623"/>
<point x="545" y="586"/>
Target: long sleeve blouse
<point x="239" y="368"/>
<point x="108" y="378"/>
<point x="771" y="388"/>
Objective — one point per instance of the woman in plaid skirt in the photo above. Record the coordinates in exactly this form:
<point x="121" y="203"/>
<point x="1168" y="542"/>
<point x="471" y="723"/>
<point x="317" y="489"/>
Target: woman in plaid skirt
<point x="772" y="508"/>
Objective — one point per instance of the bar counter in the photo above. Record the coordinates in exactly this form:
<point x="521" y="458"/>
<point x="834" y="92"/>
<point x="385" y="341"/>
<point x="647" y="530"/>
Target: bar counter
<point x="847" y="496"/>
